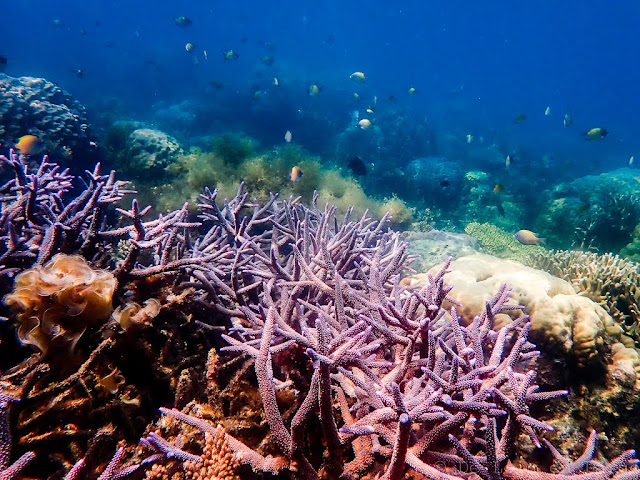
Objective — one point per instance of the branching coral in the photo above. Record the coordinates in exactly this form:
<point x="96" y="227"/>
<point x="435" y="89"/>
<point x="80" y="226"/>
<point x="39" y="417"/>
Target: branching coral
<point x="56" y="302"/>
<point x="382" y="379"/>
<point x="607" y="279"/>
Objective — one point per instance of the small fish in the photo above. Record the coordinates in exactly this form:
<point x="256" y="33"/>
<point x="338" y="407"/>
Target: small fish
<point x="314" y="90"/>
<point x="358" y="77"/>
<point x="296" y="174"/>
<point x="83" y="32"/>
<point x="568" y="119"/>
<point x="267" y="60"/>
<point x="57" y="23"/>
<point x="521" y="117"/>
<point x="216" y="84"/>
<point x="230" y="55"/>
<point x="596" y="133"/>
<point x="29" y="145"/>
<point x="357" y="166"/>
<point x="3" y="63"/>
<point x="547" y="111"/>
<point x="497" y="188"/>
<point x="500" y="209"/>
<point x="356" y="97"/>
<point x="189" y="47"/>
<point x="206" y="56"/>
<point x="631" y="161"/>
<point x="527" y="237"/>
<point x="412" y="91"/>
<point x="370" y="110"/>
<point x="78" y="72"/>
<point x="469" y="138"/>
<point x="182" y="21"/>
<point x="508" y="160"/>
<point x="275" y="81"/>
<point x="288" y="136"/>
<point x="364" y="123"/>
<point x="445" y="183"/>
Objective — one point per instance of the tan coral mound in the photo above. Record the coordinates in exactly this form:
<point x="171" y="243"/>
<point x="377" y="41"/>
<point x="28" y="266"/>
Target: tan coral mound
<point x="561" y="319"/>
<point x="607" y="279"/>
<point x="56" y="302"/>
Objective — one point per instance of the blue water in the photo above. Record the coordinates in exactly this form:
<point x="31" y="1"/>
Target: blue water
<point x="475" y="65"/>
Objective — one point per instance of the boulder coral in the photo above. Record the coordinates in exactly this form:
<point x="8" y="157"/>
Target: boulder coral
<point x="563" y="322"/>
<point x="56" y="302"/>
<point x="39" y="107"/>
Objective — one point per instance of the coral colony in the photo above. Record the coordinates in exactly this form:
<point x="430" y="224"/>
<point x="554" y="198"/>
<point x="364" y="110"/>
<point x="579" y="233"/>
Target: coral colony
<point x="384" y="380"/>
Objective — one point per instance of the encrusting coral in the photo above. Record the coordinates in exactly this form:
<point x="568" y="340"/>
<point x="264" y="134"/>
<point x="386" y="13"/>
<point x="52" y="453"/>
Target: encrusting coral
<point x="55" y="303"/>
<point x="500" y="243"/>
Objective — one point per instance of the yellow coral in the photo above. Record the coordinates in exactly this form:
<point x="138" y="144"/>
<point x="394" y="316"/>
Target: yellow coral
<point x="56" y="302"/>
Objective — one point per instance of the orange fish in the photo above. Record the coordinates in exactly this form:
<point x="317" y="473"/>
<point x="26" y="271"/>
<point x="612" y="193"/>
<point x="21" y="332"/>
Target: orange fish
<point x="29" y="145"/>
<point x="527" y="237"/>
<point x="497" y="188"/>
<point x="296" y="174"/>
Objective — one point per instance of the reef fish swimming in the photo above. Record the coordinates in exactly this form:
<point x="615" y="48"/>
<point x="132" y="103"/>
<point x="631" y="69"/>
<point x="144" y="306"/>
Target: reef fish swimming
<point x="527" y="237"/>
<point x="29" y="145"/>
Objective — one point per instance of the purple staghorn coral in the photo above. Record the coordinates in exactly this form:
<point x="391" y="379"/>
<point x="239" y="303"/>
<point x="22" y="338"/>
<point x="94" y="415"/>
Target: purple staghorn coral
<point x="397" y="380"/>
<point x="40" y="217"/>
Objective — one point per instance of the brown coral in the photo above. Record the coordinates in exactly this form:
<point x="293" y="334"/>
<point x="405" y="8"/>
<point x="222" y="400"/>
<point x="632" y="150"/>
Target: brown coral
<point x="56" y="302"/>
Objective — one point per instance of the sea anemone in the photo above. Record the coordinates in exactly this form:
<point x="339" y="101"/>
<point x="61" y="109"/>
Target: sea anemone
<point x="55" y="303"/>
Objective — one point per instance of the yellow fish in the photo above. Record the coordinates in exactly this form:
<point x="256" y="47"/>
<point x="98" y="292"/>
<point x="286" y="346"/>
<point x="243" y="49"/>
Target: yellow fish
<point x="358" y="77"/>
<point x="296" y="174"/>
<point x="364" y="123"/>
<point x="527" y="237"/>
<point x="412" y="90"/>
<point x="29" y="145"/>
<point x="314" y="90"/>
<point x="597" y="133"/>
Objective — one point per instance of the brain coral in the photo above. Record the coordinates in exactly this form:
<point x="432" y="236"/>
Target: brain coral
<point x="36" y="106"/>
<point x="56" y="302"/>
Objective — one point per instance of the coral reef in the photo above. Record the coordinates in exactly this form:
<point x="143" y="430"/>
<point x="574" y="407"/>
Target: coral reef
<point x="595" y="211"/>
<point x="149" y="152"/>
<point x="38" y="107"/>
<point x="562" y="320"/>
<point x="433" y="247"/>
<point x="632" y="249"/>
<point x="327" y="367"/>
<point x="607" y="279"/>
<point x="496" y="241"/>
<point x="234" y="160"/>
